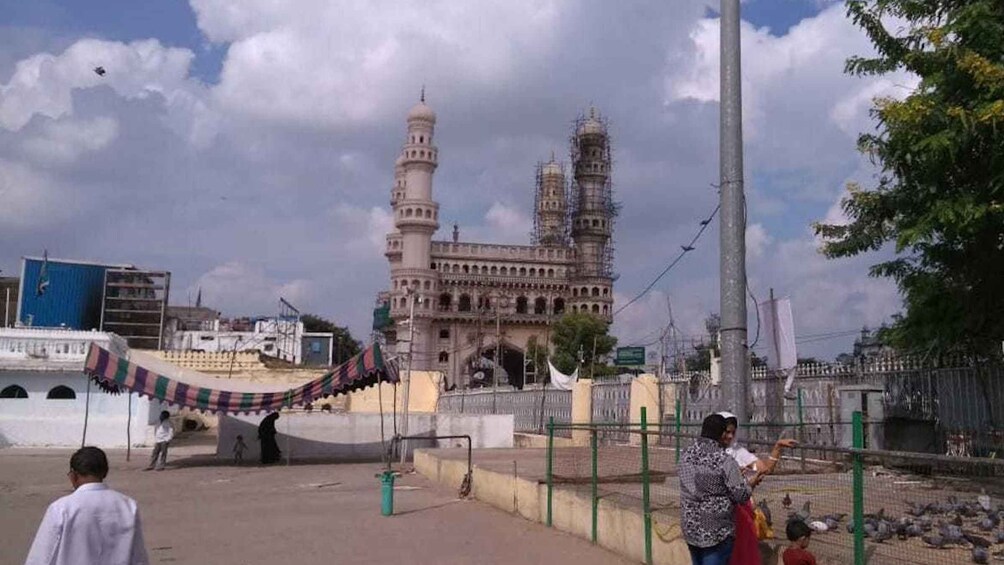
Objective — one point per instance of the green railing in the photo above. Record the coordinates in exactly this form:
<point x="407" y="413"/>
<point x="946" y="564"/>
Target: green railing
<point x="641" y="476"/>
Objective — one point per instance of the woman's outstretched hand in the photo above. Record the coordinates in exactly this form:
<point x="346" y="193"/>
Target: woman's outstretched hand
<point x="787" y="443"/>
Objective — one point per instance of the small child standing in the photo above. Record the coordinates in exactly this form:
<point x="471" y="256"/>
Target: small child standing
<point x="798" y="533"/>
<point x="239" y="448"/>
<point x="162" y="435"/>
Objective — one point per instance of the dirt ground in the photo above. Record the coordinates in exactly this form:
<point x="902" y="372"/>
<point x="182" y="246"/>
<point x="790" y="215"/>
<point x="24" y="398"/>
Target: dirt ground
<point x="201" y="512"/>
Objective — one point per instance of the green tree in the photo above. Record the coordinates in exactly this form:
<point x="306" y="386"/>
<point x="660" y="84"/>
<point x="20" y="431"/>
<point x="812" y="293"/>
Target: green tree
<point x="345" y="346"/>
<point x="574" y="334"/>
<point x="939" y="199"/>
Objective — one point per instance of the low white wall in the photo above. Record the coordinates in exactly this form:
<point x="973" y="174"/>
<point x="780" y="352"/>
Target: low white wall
<point x="37" y="421"/>
<point x="356" y="437"/>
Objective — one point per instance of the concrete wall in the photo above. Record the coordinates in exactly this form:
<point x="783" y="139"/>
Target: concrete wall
<point x="422" y="396"/>
<point x="37" y="421"/>
<point x="356" y="437"/>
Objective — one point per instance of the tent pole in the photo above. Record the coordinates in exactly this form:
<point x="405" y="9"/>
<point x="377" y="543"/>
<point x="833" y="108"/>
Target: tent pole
<point x="129" y="425"/>
<point x="87" y="410"/>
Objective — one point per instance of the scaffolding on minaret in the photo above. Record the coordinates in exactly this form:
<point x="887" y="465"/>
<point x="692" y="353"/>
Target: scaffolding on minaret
<point x="550" y="212"/>
<point x="592" y="211"/>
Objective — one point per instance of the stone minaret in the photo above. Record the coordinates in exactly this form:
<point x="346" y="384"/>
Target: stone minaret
<point x="592" y="216"/>
<point x="416" y="219"/>
<point x="551" y="206"/>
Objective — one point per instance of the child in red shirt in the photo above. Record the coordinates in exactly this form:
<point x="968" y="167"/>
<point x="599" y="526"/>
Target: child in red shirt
<point x="798" y="533"/>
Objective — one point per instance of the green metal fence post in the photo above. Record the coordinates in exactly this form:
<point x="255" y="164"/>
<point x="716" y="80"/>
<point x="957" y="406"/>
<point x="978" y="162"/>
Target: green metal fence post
<point x="550" y="467"/>
<point x="596" y="498"/>
<point x="679" y="425"/>
<point x="645" y="501"/>
<point x="801" y="427"/>
<point x="859" y="491"/>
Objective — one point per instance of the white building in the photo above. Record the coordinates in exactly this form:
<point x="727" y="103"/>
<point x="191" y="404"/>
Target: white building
<point x="275" y="337"/>
<point x="44" y="393"/>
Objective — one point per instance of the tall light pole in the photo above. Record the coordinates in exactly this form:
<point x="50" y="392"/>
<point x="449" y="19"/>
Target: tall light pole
<point x="406" y="381"/>
<point x="735" y="362"/>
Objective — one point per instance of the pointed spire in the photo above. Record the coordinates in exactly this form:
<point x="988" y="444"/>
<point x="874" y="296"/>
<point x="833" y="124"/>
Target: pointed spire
<point x="456" y="232"/>
<point x="198" y="298"/>
<point x="552" y="155"/>
<point x="422" y="98"/>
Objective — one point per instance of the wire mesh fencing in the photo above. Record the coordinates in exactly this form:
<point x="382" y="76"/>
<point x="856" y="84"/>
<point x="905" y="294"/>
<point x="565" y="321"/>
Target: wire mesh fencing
<point x="865" y="506"/>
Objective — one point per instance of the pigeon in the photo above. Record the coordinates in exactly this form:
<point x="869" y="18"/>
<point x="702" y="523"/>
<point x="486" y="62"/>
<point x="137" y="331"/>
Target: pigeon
<point x="831" y="524"/>
<point x="984" y="501"/>
<point x="902" y="530"/>
<point x="999" y="536"/>
<point x="986" y="525"/>
<point x="976" y="540"/>
<point x="100" y="71"/>
<point x="819" y="526"/>
<point x="980" y="555"/>
<point x="804" y="513"/>
<point x="925" y="523"/>
<point x="786" y="501"/>
<point x="935" y="540"/>
<point x="883" y="532"/>
<point x="952" y="533"/>
<point x="869" y="530"/>
<point x="914" y="531"/>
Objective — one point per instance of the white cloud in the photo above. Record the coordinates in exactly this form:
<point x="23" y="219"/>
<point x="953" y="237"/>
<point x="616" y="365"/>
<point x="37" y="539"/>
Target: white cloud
<point x="31" y="198"/>
<point x="65" y="140"/>
<point x="330" y="63"/>
<point x="757" y="241"/>
<point x="44" y="83"/>
<point x="238" y="288"/>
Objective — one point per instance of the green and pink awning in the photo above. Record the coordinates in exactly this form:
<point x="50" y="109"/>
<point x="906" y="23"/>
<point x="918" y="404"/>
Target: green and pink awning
<point x="114" y="372"/>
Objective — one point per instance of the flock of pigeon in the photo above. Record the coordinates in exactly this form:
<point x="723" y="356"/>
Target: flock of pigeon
<point x="973" y="525"/>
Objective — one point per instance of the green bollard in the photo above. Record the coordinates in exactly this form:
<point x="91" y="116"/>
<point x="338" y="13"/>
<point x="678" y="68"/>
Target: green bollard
<point x="387" y="493"/>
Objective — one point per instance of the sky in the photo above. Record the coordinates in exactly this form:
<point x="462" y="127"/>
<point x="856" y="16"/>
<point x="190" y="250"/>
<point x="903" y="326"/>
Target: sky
<point x="247" y="146"/>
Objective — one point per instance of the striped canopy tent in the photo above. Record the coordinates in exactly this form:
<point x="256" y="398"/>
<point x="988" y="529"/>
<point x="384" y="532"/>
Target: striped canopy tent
<point x="149" y="376"/>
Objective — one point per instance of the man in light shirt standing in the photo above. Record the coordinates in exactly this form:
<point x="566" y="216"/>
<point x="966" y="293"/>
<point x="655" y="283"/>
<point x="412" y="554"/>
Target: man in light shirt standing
<point x="162" y="436"/>
<point x="93" y="526"/>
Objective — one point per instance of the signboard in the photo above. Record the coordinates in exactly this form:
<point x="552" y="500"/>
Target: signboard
<point x="630" y="356"/>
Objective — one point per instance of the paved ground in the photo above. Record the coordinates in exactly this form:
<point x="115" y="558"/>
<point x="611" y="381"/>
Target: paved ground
<point x="199" y="512"/>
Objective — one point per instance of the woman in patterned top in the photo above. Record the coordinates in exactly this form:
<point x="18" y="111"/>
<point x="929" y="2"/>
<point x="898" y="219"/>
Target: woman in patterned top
<point x="711" y="486"/>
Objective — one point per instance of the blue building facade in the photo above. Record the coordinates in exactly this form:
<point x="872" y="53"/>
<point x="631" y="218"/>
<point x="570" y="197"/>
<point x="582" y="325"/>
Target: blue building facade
<point x="72" y="298"/>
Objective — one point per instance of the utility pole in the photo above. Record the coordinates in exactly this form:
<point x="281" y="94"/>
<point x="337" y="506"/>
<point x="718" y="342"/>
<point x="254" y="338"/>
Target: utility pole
<point x="498" y="353"/>
<point x="592" y="362"/>
<point x="407" y="373"/>
<point x="735" y="361"/>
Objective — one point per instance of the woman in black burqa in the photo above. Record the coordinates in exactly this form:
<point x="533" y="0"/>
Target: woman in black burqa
<point x="266" y="435"/>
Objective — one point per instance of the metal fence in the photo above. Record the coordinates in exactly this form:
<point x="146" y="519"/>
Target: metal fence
<point x="611" y="403"/>
<point x="864" y="505"/>
<point x="531" y="408"/>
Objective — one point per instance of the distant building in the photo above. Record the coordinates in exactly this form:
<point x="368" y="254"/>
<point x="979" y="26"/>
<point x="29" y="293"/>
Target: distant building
<point x="318" y="349"/>
<point x="281" y="338"/>
<point x="83" y="295"/>
<point x="472" y="299"/>
<point x="868" y="344"/>
<point x="44" y="394"/>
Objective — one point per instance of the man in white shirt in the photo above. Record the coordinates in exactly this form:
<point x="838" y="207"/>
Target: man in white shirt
<point x="162" y="436"/>
<point x="93" y="526"/>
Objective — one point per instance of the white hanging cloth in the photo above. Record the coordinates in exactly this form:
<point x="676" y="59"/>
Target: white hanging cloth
<point x="780" y="331"/>
<point x="560" y="380"/>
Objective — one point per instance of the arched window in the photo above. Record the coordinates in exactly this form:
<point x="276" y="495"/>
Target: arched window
<point x="444" y="357"/>
<point x="484" y="303"/>
<point x="596" y="291"/>
<point x="606" y="292"/>
<point x="464" y="304"/>
<point x="495" y="270"/>
<point x="533" y="272"/>
<point x="467" y="269"/>
<point x="522" y="271"/>
<point x="504" y="271"/>
<point x="596" y="309"/>
<point x="445" y="302"/>
<point x="575" y="309"/>
<point x="61" y="393"/>
<point x="421" y="139"/>
<point x="456" y="269"/>
<point x="409" y="212"/>
<point x="550" y="273"/>
<point x="606" y="309"/>
<point x="540" y="305"/>
<point x="13" y="391"/>
<point x="575" y="292"/>
<point x="559" y="305"/>
<point x="521" y="305"/>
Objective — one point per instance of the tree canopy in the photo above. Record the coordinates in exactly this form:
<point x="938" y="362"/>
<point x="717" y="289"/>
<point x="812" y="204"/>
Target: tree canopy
<point x="574" y="334"/>
<point x="345" y="346"/>
<point x="939" y="199"/>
